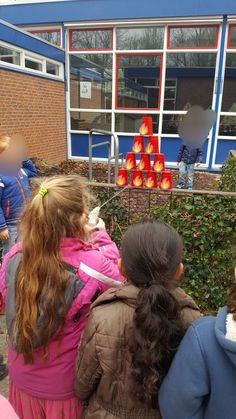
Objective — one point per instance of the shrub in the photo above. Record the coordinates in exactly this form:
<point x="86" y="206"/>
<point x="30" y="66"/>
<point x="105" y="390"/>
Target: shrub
<point x="228" y="176"/>
<point x="206" y="225"/>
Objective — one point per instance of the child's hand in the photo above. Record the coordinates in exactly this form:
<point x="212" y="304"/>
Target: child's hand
<point x="4" y="234"/>
<point x="100" y="225"/>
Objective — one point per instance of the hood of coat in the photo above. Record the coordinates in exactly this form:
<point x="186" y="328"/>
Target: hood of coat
<point x="228" y="345"/>
<point x="128" y="294"/>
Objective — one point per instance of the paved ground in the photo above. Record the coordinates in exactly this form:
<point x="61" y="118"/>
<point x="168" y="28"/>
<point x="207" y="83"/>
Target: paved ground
<point x="3" y="350"/>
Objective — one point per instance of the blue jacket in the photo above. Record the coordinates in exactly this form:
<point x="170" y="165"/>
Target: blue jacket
<point x="14" y="191"/>
<point x="201" y="382"/>
<point x="189" y="155"/>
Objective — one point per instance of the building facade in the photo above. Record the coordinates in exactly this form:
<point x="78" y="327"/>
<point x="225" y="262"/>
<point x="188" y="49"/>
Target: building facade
<point x="124" y="59"/>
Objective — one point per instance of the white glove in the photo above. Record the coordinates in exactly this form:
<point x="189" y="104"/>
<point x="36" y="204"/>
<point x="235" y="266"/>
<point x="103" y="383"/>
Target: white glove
<point x="93" y="217"/>
<point x="100" y="224"/>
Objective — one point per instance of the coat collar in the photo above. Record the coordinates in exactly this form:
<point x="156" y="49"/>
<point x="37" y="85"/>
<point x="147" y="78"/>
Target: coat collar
<point x="128" y="293"/>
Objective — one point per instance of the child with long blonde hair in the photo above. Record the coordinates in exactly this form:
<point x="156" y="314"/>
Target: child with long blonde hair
<point x="48" y="282"/>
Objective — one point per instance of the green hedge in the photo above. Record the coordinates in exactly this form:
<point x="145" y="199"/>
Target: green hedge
<point x="228" y="175"/>
<point x="207" y="226"/>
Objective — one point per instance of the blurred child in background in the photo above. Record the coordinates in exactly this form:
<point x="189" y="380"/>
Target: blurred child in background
<point x="14" y="188"/>
<point x="186" y="159"/>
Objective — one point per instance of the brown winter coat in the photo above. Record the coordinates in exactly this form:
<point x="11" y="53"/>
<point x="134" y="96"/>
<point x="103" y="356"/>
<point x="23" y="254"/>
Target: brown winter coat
<point x="103" y="370"/>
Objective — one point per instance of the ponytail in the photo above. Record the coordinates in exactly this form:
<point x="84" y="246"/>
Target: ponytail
<point x="156" y="334"/>
<point x="151" y="255"/>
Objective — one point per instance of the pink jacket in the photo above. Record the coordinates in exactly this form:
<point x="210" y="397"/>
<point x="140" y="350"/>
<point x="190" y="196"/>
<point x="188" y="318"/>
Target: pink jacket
<point x="97" y="267"/>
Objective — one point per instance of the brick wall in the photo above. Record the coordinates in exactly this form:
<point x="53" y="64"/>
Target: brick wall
<point x="34" y="107"/>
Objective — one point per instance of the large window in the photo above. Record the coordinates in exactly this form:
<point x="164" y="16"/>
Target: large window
<point x="119" y="74"/>
<point x="138" y="81"/>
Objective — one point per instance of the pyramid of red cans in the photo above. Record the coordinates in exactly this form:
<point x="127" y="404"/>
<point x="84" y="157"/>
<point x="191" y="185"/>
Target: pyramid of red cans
<point x="150" y="171"/>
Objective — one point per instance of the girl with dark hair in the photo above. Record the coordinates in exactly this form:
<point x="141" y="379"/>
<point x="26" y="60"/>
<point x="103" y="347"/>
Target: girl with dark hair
<point x="133" y="331"/>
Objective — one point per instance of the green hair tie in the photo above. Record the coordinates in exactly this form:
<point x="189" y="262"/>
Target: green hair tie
<point x="43" y="191"/>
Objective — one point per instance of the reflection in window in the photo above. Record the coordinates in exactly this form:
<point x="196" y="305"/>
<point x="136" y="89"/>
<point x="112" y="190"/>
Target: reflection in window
<point x="91" y="39"/>
<point x="193" y="37"/>
<point x="54" y="37"/>
<point x="91" y="81"/>
<point x="33" y="65"/>
<point x="131" y="122"/>
<point x="194" y="74"/>
<point x="140" y="38"/>
<point x="9" y="56"/>
<point x="170" y="123"/>
<point x="88" y="120"/>
<point x="232" y="36"/>
<point x="229" y="93"/>
<point x="228" y="125"/>
<point x="138" y="81"/>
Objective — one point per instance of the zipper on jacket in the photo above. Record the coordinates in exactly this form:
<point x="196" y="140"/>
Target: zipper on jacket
<point x="8" y="208"/>
<point x="22" y="190"/>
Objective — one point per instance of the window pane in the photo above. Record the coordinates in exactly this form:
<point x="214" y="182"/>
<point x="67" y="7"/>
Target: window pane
<point x="91" y="81"/>
<point x="34" y="65"/>
<point x="140" y="38"/>
<point x="9" y="56"/>
<point x="132" y="122"/>
<point x="170" y="94"/>
<point x="170" y="123"/>
<point x="228" y="125"/>
<point x="52" y="37"/>
<point x="193" y="37"/>
<point x="232" y="39"/>
<point x="194" y="80"/>
<point x="52" y="68"/>
<point x="84" y="121"/>
<point x="229" y="93"/>
<point x="138" y="81"/>
<point x="91" y="39"/>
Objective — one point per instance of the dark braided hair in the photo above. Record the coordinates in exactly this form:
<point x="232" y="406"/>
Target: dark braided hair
<point x="151" y="255"/>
